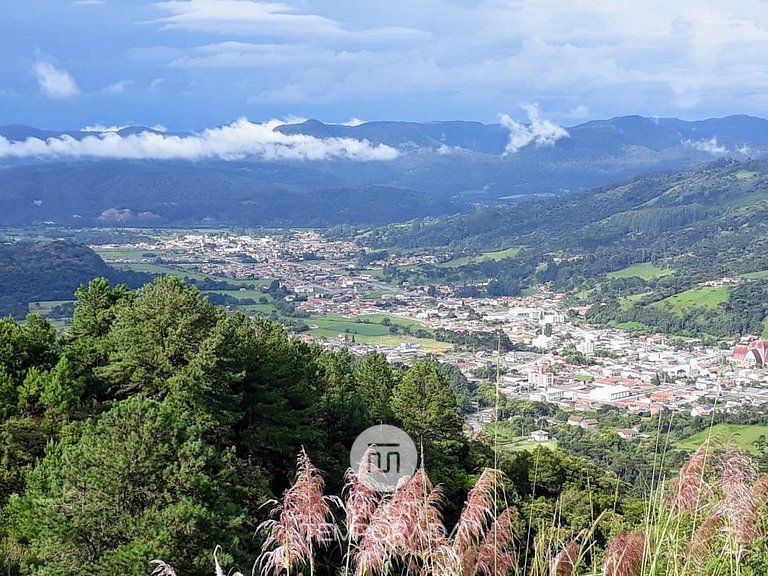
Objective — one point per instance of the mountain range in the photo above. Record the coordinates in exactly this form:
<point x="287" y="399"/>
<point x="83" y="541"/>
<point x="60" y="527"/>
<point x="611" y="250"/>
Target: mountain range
<point x="431" y="169"/>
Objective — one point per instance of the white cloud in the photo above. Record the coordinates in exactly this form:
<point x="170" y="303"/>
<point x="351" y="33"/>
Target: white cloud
<point x="116" y="88"/>
<point x="582" y="57"/>
<point x="55" y="82"/>
<point x="710" y="146"/>
<point x="239" y="140"/>
<point x="352" y="122"/>
<point x="248" y="17"/>
<point x="539" y="131"/>
<point x="101" y="128"/>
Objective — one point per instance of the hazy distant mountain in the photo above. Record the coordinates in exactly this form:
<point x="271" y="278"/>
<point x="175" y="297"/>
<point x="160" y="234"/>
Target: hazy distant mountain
<point x="434" y="168"/>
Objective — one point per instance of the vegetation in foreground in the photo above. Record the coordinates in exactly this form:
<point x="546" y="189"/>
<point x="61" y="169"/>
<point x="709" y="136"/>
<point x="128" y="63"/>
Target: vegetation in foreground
<point x="709" y="519"/>
<point x="158" y="426"/>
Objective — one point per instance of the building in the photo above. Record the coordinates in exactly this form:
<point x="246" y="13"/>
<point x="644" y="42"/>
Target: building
<point x="628" y="433"/>
<point x="538" y="436"/>
<point x="540" y="378"/>
<point x="581" y="422"/>
<point x="754" y="353"/>
<point x="609" y="393"/>
<point x="587" y="347"/>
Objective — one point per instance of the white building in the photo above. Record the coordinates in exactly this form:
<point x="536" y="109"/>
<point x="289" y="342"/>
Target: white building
<point x="609" y="393"/>
<point x="538" y="436"/>
<point x="540" y="378"/>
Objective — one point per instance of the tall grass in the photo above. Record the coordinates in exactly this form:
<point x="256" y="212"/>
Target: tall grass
<point x="705" y="521"/>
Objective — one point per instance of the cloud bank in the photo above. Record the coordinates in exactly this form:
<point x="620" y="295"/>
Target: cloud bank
<point x="710" y="146"/>
<point x="55" y="82"/>
<point x="237" y="141"/>
<point x="539" y="131"/>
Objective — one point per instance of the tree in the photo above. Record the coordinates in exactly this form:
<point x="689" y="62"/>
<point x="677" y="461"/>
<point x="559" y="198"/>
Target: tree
<point x="375" y="382"/>
<point x="425" y="403"/>
<point x="156" y="335"/>
<point x="138" y="483"/>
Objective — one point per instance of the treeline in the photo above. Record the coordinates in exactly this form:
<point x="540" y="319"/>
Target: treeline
<point x="158" y="426"/>
<point x="473" y="341"/>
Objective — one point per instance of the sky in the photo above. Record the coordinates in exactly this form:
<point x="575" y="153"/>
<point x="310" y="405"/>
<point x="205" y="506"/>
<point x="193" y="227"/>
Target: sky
<point x="196" y="64"/>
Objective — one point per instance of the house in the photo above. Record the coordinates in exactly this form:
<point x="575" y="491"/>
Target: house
<point x="628" y="433"/>
<point x="581" y="422"/>
<point x="538" y="436"/>
<point x="589" y="424"/>
<point x="574" y="420"/>
<point x="702" y="410"/>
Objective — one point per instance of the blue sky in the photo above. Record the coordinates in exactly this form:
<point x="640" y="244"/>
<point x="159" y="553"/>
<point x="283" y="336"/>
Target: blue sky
<point x="190" y="64"/>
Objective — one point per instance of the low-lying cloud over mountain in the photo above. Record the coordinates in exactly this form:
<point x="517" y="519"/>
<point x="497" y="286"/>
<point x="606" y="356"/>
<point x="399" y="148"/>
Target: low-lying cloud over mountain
<point x="237" y="141"/>
<point x="312" y="173"/>
<point x="539" y="131"/>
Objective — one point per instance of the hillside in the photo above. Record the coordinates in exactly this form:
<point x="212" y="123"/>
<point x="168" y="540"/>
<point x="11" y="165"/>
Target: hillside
<point x="642" y="252"/>
<point x="50" y="271"/>
<point x="430" y="169"/>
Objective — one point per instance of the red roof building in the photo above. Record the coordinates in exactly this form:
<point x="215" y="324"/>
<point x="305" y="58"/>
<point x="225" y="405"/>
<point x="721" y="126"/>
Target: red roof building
<point x="756" y="352"/>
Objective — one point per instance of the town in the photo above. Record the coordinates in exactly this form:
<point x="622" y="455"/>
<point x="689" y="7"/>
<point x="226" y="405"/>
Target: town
<point x="556" y="357"/>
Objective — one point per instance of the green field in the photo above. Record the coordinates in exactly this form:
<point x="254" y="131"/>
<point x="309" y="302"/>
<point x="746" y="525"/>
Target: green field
<point x="181" y="271"/>
<point x="743" y="436"/>
<point x="389" y="340"/>
<point x="255" y="294"/>
<point x="704" y="297"/>
<point x="626" y="302"/>
<point x="509" y="439"/>
<point x="644" y="271"/>
<point x="756" y="275"/>
<point x="119" y="253"/>
<point x="365" y="325"/>
<point x="484" y="257"/>
<point x="379" y="318"/>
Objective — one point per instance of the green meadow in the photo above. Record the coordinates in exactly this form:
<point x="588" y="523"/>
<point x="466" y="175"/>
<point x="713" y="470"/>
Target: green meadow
<point x="742" y="435"/>
<point x="702" y="297"/>
<point x="644" y="271"/>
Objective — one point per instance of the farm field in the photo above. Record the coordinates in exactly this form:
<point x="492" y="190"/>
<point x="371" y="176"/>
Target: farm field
<point x="743" y="435"/>
<point x="110" y="254"/>
<point x="181" y="271"/>
<point x="44" y="308"/>
<point x="367" y="325"/>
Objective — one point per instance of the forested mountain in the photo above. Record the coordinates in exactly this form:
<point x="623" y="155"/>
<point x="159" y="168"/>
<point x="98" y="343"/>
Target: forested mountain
<point x="35" y="271"/>
<point x="685" y="228"/>
<point x="631" y="215"/>
<point x="434" y="168"/>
